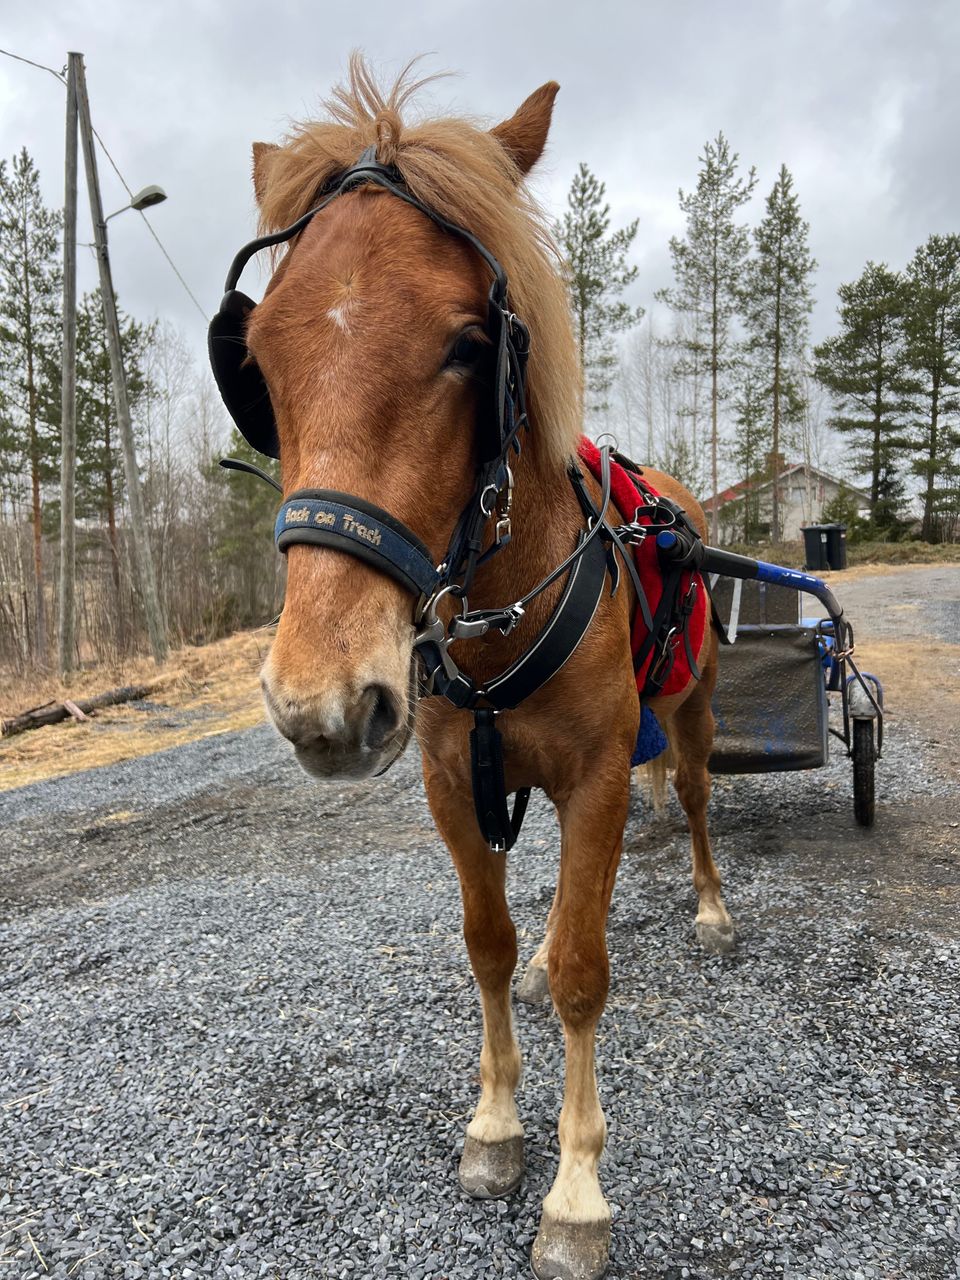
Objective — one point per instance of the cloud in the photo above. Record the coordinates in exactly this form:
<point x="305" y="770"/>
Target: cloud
<point x="858" y="99"/>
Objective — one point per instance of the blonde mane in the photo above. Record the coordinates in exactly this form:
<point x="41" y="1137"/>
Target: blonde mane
<point x="462" y="172"/>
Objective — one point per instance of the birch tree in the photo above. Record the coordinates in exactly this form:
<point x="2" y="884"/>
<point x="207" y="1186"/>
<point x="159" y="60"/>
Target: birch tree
<point x="100" y="473"/>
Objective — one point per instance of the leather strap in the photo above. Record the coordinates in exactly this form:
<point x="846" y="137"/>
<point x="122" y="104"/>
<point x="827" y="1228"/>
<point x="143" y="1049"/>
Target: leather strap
<point x="558" y="640"/>
<point x="498" y="826"/>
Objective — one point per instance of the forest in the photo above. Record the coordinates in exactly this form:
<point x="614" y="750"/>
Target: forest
<point x="724" y="390"/>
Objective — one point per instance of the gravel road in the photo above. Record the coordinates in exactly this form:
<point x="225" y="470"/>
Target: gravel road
<point x="240" y="1035"/>
<point x="906" y="603"/>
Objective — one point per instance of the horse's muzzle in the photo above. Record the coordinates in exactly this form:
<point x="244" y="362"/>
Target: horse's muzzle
<point x="338" y="736"/>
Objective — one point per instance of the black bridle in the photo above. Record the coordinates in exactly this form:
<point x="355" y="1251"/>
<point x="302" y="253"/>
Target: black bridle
<point x="331" y="518"/>
<point x="328" y="517"/>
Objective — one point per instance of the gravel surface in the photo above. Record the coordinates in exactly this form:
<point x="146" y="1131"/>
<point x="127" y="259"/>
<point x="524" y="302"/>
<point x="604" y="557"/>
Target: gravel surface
<point x="911" y="602"/>
<point x="153" y="781"/>
<point x="240" y="1035"/>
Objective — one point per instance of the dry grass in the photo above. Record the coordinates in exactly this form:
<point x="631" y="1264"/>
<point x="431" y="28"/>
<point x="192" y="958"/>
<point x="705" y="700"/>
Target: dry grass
<point x="869" y="569"/>
<point x="213" y="688"/>
<point x="903" y="554"/>
<point x="921" y="681"/>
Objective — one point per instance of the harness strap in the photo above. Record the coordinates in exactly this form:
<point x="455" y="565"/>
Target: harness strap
<point x="615" y="539"/>
<point x="498" y="826"/>
<point x="656" y="632"/>
<point x="686" y="613"/>
<point x="558" y="640"/>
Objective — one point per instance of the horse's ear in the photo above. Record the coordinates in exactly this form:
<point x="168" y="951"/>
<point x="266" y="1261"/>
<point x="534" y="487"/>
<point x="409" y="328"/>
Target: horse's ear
<point x="524" y="135"/>
<point x="262" y="151"/>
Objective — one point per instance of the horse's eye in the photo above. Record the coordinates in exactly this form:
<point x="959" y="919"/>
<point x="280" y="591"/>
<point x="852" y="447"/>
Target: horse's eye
<point x="468" y="350"/>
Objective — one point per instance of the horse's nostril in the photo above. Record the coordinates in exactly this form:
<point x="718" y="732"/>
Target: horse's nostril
<point x="384" y="719"/>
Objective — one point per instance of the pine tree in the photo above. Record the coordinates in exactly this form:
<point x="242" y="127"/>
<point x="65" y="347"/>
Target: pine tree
<point x="245" y="514"/>
<point x="932" y="327"/>
<point x="708" y="266"/>
<point x="864" y="368"/>
<point x="777" y="306"/>
<point x="598" y="274"/>
<point x="30" y="276"/>
<point x="100" y="473"/>
<point x="750" y="447"/>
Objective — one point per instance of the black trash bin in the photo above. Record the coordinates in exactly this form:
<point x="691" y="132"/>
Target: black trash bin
<point x="815" y="546"/>
<point x="836" y="545"/>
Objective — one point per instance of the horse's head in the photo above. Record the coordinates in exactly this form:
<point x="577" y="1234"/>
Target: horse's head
<point x="371" y="339"/>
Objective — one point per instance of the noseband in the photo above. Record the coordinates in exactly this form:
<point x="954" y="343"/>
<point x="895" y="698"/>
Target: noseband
<point x="328" y="517"/>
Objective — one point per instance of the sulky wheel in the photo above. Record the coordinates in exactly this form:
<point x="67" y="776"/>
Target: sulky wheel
<point x="864" y="756"/>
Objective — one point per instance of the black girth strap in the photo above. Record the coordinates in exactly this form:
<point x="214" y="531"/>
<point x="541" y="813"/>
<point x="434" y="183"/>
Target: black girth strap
<point x="499" y="827"/>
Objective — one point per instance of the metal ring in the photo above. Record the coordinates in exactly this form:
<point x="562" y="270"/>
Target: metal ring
<point x="488" y="511"/>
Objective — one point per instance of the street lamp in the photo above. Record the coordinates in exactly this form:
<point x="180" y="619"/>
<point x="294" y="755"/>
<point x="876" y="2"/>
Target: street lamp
<point x="142" y="200"/>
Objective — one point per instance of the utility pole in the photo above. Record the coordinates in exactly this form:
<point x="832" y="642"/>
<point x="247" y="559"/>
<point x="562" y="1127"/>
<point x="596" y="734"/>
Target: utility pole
<point x="66" y="630"/>
<point x="141" y="539"/>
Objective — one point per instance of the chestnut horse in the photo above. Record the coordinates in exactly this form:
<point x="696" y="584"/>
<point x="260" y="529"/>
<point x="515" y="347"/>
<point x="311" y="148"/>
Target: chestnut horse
<point x="370" y="340"/>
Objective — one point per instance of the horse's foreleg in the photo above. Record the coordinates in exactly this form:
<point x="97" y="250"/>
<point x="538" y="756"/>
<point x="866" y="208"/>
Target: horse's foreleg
<point x="692" y="735"/>
<point x="574" y="1237"/>
<point x="492" y="1161"/>
<point x="535" y="986"/>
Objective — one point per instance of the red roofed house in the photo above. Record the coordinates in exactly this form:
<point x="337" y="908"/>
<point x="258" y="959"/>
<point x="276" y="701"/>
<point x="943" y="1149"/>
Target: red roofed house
<point x="803" y="492"/>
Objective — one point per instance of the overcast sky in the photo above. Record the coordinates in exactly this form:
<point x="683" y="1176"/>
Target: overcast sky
<point x="859" y="98"/>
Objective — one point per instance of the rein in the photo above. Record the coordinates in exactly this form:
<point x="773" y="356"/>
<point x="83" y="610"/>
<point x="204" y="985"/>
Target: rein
<point x="348" y="523"/>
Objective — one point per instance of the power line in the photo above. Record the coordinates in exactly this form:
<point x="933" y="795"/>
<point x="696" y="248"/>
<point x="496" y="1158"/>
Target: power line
<point x="113" y="164"/>
<point x="173" y="267"/>
<point x="39" y="65"/>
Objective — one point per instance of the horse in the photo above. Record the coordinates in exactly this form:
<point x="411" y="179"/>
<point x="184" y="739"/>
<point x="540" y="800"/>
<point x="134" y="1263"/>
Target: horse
<point x="368" y="368"/>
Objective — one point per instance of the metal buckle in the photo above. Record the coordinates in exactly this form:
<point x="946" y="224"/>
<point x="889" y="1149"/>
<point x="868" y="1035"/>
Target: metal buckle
<point x="633" y="533"/>
<point x="657" y="669"/>
<point x="504" y="621"/>
<point x="504" y="503"/>
<point x="514" y="614"/>
<point x="433" y="631"/>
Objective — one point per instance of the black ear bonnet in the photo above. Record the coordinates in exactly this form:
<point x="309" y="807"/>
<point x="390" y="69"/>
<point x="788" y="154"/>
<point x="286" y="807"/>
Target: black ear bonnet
<point x="244" y="389"/>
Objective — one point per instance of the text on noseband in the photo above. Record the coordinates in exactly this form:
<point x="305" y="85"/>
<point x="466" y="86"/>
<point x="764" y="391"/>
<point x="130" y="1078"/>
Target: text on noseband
<point x="328" y="520"/>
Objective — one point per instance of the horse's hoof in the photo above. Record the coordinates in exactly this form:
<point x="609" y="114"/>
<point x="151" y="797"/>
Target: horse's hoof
<point x="716" y="939"/>
<point x="571" y="1250"/>
<point x="534" y="987"/>
<point x="489" y="1170"/>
